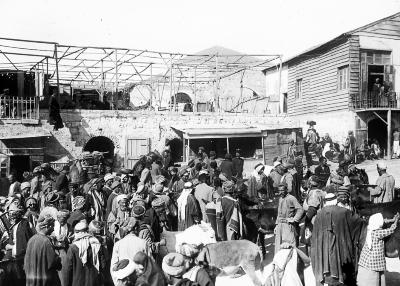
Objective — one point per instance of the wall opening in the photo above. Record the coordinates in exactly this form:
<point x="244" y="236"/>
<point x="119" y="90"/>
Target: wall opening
<point x="176" y="146"/>
<point x="377" y="129"/>
<point x="101" y="144"/>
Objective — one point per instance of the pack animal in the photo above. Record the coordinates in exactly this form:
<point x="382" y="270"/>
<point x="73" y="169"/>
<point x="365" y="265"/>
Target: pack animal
<point x="231" y="256"/>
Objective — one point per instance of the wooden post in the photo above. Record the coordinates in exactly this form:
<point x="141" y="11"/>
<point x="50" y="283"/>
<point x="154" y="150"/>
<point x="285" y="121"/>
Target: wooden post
<point x="151" y="87"/>
<point x="188" y="150"/>
<point x="279" y="86"/>
<point x="116" y="76"/>
<point x="170" y="85"/>
<point x="58" y="80"/>
<point x="195" y="89"/>
<point x="216" y="97"/>
<point x="389" y="134"/>
<point x="227" y="145"/>
<point x="184" y="150"/>
<point x="262" y="147"/>
<point x="102" y="83"/>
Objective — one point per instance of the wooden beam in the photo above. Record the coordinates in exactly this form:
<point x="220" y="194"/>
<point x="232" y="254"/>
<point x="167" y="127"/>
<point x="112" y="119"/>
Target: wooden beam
<point x="380" y="117"/>
<point x="227" y="145"/>
<point x="389" y="134"/>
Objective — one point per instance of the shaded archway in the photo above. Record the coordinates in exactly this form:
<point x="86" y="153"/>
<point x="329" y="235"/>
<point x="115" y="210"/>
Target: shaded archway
<point x="101" y="144"/>
<point x="377" y="129"/>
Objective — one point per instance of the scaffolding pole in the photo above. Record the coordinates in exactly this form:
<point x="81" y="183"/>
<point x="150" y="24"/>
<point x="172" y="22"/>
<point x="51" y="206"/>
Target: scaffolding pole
<point x="58" y="80"/>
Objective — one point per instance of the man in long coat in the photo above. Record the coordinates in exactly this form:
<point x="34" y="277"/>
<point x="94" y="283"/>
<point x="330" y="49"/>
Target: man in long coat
<point x="41" y="261"/>
<point x="85" y="259"/>
<point x="290" y="213"/>
<point x="189" y="212"/>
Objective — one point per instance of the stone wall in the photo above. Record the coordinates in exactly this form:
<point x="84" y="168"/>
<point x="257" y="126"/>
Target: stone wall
<point x="118" y="126"/>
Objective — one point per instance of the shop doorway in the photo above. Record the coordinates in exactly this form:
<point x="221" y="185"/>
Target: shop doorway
<point x="19" y="165"/>
<point x="377" y="129"/>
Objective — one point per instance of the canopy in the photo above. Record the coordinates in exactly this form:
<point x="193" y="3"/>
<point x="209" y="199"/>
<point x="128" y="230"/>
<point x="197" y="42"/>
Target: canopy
<point x="218" y="132"/>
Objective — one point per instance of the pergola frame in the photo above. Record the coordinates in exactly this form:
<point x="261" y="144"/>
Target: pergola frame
<point x="112" y="69"/>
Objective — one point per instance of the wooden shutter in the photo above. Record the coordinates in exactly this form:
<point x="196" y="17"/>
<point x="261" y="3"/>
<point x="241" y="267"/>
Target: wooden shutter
<point x="135" y="147"/>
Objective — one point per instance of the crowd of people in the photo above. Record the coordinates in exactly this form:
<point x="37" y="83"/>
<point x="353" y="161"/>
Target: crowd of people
<point x="77" y="227"/>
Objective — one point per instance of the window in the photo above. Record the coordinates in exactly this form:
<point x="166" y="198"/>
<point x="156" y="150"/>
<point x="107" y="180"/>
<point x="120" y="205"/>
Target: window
<point x="343" y="78"/>
<point x="299" y="88"/>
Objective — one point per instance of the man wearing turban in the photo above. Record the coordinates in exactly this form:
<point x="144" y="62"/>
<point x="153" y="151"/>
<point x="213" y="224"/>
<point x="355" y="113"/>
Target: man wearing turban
<point x="41" y="261"/>
<point x="17" y="239"/>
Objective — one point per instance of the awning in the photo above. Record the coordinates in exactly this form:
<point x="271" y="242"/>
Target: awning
<point x="11" y="132"/>
<point x="218" y="132"/>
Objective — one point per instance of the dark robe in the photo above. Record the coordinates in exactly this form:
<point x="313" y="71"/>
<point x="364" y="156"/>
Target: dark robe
<point x="335" y="245"/>
<point x="109" y="203"/>
<point x="61" y="184"/>
<point x="192" y="213"/>
<point x="227" y="168"/>
<point x="151" y="218"/>
<point x="15" y="268"/>
<point x="54" y="113"/>
<point x="77" y="274"/>
<point x="41" y="262"/>
<point x="237" y="164"/>
<point x="152" y="275"/>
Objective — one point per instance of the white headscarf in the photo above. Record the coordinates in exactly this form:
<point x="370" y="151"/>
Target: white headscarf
<point x="182" y="201"/>
<point x="375" y="222"/>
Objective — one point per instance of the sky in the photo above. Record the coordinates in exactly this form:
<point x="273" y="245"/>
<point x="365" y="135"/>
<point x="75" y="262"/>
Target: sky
<point x="186" y="26"/>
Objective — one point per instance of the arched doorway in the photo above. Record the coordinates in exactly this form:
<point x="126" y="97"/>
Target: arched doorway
<point x="184" y="100"/>
<point x="377" y="129"/>
<point x="101" y="144"/>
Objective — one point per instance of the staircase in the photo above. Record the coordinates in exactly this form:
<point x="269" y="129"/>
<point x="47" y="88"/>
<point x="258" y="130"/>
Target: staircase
<point x="65" y="139"/>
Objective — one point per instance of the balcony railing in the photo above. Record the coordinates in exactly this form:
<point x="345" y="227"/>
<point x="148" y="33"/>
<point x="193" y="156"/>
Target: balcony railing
<point x="373" y="100"/>
<point x="12" y="107"/>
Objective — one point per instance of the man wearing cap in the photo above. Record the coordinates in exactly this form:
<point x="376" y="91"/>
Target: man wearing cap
<point x="322" y="171"/>
<point x="121" y="214"/>
<point x="312" y="204"/>
<point x="383" y="192"/>
<point x="238" y="165"/>
<point x="25" y="189"/>
<point x="97" y="201"/>
<point x="108" y="180"/>
<point x="78" y="211"/>
<point x="290" y="213"/>
<point x="291" y="150"/>
<point x="17" y="239"/>
<point x="116" y="190"/>
<point x="124" y="272"/>
<point x="174" y="266"/>
<point x="203" y="193"/>
<point x="51" y="205"/>
<point x="229" y="216"/>
<point x="189" y="212"/>
<point x="85" y="261"/>
<point x="74" y="191"/>
<point x="15" y="186"/>
<point x="129" y="245"/>
<point x="31" y="211"/>
<point x="41" y="261"/>
<point x="343" y="197"/>
<point x="289" y="178"/>
<point x="35" y="183"/>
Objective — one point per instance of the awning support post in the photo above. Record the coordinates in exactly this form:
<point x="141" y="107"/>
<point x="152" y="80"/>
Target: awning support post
<point x="187" y="151"/>
<point x="262" y="147"/>
<point x="227" y="145"/>
<point x="389" y="134"/>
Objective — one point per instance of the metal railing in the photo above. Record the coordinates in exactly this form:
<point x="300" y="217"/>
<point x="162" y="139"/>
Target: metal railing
<point x="373" y="100"/>
<point x="12" y="107"/>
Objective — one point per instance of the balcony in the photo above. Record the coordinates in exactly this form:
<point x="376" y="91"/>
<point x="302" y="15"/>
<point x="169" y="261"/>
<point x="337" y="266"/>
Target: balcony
<point x="375" y="101"/>
<point x="19" y="110"/>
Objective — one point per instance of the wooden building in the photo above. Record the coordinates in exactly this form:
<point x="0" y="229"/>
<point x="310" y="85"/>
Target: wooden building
<point x="335" y="83"/>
